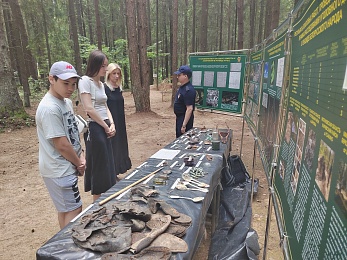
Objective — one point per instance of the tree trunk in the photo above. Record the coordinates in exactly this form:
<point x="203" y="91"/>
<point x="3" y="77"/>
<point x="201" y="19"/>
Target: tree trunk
<point x="122" y="26"/>
<point x="240" y="24"/>
<point x="90" y="23"/>
<point x="111" y="32"/>
<point x="48" y="48"/>
<point x="18" y="48"/>
<point x="149" y="40"/>
<point x="79" y="9"/>
<point x="174" y="49"/>
<point x="29" y="60"/>
<point x="8" y="30"/>
<point x="204" y="25"/>
<point x="10" y="102"/>
<point x="261" y="21"/>
<point x="132" y="47"/>
<point x="193" y="27"/>
<point x="98" y="24"/>
<point x="268" y="18"/>
<point x="275" y="14"/>
<point x="138" y="53"/>
<point x="221" y="25"/>
<point x="170" y="37"/>
<point x="251" y="23"/>
<point x="230" y="16"/>
<point x="233" y="43"/>
<point x="142" y="30"/>
<point x="74" y="36"/>
<point x="185" y="34"/>
<point x="166" y="41"/>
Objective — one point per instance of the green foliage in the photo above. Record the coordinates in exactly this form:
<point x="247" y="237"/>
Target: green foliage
<point x="152" y="51"/>
<point x="85" y="47"/>
<point x="16" y="121"/>
<point x="53" y="16"/>
<point x="120" y="53"/>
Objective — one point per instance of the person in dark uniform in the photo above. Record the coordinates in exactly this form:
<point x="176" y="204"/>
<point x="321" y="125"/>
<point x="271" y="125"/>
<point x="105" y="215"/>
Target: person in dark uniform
<point x="184" y="101"/>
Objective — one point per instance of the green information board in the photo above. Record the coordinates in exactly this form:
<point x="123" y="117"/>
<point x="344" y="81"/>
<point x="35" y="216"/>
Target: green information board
<point x="271" y="91"/>
<point x="311" y="180"/>
<point x="218" y="80"/>
<point x="255" y="77"/>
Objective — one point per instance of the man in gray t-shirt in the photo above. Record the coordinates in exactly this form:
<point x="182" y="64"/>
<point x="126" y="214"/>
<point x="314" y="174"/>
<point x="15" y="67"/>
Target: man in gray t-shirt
<point x="61" y="157"/>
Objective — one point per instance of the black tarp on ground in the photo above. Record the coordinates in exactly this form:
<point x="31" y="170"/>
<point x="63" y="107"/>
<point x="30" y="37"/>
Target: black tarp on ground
<point x="234" y="238"/>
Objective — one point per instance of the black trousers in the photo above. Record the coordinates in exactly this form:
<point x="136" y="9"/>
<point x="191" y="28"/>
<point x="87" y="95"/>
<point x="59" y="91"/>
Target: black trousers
<point x="179" y="123"/>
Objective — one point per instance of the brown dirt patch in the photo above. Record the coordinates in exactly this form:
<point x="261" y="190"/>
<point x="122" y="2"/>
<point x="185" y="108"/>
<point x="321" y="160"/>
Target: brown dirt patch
<point x="28" y="217"/>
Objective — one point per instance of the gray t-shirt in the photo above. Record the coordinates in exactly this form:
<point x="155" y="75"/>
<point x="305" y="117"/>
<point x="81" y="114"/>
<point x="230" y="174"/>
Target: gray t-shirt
<point x="55" y="118"/>
<point x="85" y="85"/>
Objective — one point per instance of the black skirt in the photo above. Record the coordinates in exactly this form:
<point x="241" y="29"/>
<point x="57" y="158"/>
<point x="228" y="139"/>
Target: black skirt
<point x="100" y="173"/>
<point x="115" y="103"/>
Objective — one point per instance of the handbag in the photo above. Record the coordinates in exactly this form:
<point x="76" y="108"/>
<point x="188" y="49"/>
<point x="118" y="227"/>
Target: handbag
<point x="82" y="124"/>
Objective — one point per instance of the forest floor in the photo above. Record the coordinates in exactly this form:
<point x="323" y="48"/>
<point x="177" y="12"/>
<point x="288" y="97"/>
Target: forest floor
<point x="28" y="218"/>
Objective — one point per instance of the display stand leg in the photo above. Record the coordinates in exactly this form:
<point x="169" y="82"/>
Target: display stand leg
<point x="253" y="167"/>
<point x="268" y="221"/>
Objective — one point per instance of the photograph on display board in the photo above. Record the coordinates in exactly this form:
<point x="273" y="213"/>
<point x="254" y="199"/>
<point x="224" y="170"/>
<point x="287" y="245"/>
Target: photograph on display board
<point x="290" y="120"/>
<point x="199" y="99"/>
<point x="236" y="66"/>
<point x="291" y="127"/>
<point x="301" y="134"/>
<point x="309" y="149"/>
<point x="294" y="179"/>
<point x="251" y="90"/>
<point x="298" y="155"/>
<point x="196" y="78"/>
<point x="324" y="168"/>
<point x="208" y="78"/>
<point x="280" y="72"/>
<point x="254" y="115"/>
<point x="272" y="74"/>
<point x="266" y="70"/>
<point x="341" y="188"/>
<point x="234" y="80"/>
<point x="251" y="72"/>
<point x="212" y="98"/>
<point x="256" y="93"/>
<point x="221" y="79"/>
<point x="249" y="108"/>
<point x="294" y="132"/>
<point x="255" y="74"/>
<point x="265" y="99"/>
<point x="230" y="100"/>
<point x="344" y="86"/>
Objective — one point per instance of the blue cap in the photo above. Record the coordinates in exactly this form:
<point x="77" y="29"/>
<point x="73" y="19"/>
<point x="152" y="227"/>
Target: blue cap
<point x="185" y="70"/>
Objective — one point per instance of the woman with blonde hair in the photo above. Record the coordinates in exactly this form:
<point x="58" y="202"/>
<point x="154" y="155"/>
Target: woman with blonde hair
<point x="115" y="102"/>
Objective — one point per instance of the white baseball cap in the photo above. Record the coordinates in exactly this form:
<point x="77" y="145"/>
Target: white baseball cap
<point x="63" y="70"/>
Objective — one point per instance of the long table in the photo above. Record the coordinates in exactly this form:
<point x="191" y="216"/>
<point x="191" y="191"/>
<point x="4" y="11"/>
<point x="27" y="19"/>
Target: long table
<point x="61" y="245"/>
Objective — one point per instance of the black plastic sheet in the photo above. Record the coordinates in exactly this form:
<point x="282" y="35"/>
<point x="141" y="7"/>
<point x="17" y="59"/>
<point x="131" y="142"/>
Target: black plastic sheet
<point x="233" y="237"/>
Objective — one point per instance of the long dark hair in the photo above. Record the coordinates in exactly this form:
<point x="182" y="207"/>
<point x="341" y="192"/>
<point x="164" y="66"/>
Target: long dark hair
<point x="95" y="61"/>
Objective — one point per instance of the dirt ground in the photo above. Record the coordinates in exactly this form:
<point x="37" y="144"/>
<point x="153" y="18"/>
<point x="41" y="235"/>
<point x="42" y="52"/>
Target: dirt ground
<point x="28" y="217"/>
